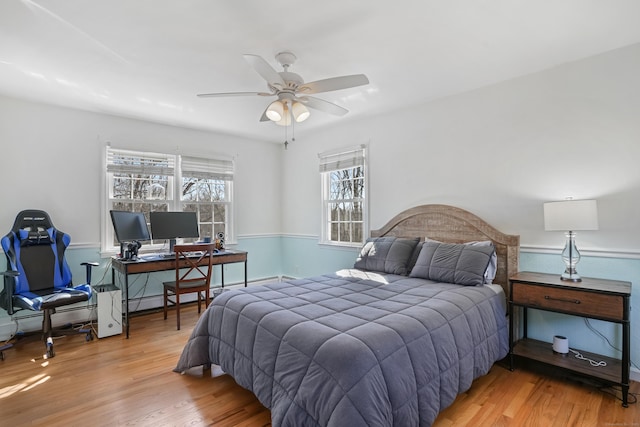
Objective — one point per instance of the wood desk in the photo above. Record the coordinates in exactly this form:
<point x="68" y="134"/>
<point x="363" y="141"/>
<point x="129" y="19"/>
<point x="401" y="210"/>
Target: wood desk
<point x="152" y="264"/>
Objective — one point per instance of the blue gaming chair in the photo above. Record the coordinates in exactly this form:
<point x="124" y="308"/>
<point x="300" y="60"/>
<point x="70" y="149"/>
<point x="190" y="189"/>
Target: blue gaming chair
<point x="38" y="277"/>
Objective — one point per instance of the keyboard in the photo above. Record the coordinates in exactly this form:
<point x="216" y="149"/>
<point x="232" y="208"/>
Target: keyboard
<point x="167" y="255"/>
<point x="151" y="257"/>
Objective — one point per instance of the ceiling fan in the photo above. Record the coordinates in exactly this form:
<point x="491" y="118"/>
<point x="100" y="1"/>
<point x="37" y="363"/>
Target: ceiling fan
<point x="292" y="91"/>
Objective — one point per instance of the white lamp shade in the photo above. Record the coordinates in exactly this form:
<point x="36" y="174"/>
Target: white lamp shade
<point x="300" y="112"/>
<point x="571" y="215"/>
<point x="275" y="111"/>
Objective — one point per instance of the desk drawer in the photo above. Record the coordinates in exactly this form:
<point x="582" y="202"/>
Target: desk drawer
<point x="591" y="304"/>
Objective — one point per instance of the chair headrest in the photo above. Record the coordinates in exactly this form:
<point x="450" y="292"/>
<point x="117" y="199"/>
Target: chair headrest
<point x="32" y="219"/>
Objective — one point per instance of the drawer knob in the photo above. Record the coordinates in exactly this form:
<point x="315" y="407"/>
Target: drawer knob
<point x="575" y="301"/>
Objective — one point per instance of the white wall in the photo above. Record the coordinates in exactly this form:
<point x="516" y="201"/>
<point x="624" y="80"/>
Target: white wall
<point x="52" y="160"/>
<point x="500" y="152"/>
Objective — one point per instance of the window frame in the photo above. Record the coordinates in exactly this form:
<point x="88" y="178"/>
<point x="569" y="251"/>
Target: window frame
<point x="197" y="167"/>
<point x="338" y="160"/>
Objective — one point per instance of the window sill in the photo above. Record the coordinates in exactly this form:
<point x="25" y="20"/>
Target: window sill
<point x="344" y="246"/>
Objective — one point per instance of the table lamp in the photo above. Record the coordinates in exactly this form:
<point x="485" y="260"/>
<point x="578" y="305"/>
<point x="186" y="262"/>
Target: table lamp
<point x="570" y="216"/>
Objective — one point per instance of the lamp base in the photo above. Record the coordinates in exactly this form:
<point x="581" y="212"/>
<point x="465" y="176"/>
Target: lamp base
<point x="570" y="275"/>
<point x="571" y="257"/>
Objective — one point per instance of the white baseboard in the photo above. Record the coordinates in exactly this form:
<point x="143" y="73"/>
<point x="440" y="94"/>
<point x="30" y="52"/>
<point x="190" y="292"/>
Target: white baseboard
<point x="28" y="321"/>
<point x="31" y="321"/>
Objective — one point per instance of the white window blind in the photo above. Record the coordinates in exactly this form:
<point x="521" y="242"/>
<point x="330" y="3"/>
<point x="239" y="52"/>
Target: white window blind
<point x="140" y="181"/>
<point x="137" y="162"/>
<point x="342" y="159"/>
<point x="196" y="167"/>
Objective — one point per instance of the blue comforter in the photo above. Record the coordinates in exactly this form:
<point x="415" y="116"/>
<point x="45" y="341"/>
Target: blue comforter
<point x="352" y="348"/>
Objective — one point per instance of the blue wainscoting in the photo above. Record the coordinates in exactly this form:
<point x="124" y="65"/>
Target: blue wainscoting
<point x="264" y="262"/>
<point x="273" y="256"/>
<point x="303" y="256"/>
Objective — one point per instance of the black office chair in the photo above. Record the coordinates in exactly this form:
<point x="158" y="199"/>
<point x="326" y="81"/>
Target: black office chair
<point x="38" y="277"/>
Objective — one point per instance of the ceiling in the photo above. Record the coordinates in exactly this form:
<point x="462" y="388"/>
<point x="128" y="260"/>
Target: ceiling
<point x="147" y="59"/>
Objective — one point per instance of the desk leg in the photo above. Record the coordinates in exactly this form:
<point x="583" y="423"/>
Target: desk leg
<point x="626" y="354"/>
<point x="222" y="270"/>
<point x="245" y="273"/>
<point x="126" y="303"/>
<point x="125" y="312"/>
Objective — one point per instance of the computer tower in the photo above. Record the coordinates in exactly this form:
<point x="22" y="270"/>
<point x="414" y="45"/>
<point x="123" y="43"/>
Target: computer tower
<point x="109" y="310"/>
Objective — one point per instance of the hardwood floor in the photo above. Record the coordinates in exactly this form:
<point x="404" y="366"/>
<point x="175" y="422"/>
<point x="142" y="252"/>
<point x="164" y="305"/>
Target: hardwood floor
<point x="115" y="381"/>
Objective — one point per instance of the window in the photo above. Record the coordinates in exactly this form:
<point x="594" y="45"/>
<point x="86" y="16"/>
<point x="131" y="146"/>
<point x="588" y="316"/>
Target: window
<point x="344" y="203"/>
<point x="206" y="190"/>
<point x="147" y="182"/>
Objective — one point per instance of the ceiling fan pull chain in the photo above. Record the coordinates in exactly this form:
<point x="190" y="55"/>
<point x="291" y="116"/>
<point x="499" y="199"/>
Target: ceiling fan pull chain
<point x="293" y="131"/>
<point x="286" y="141"/>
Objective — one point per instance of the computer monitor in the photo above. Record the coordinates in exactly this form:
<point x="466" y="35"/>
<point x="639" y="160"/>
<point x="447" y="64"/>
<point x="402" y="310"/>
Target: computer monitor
<point x="129" y="226"/>
<point x="174" y="225"/>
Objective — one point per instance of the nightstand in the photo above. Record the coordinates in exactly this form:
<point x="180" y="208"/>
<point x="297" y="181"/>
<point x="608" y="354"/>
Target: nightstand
<point x="606" y="300"/>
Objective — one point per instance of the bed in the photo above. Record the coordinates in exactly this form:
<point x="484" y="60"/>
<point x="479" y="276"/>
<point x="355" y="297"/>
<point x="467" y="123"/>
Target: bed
<point x="390" y="342"/>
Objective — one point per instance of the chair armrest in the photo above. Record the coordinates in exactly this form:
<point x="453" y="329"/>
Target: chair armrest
<point x="7" y="294"/>
<point x="88" y="266"/>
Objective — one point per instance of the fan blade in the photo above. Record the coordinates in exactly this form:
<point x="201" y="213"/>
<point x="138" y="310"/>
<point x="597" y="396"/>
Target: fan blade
<point x="265" y="70"/>
<point x="322" y="105"/>
<point x="334" y="83"/>
<point x="213" y="95"/>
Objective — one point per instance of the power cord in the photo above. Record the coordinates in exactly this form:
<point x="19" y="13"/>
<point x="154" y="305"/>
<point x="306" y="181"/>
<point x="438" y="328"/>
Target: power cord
<point x="632" y="398"/>
<point x="601" y="335"/>
<point x="616" y="392"/>
<point x="13" y="334"/>
<point x="579" y="355"/>
<point x="140" y="291"/>
<point x="104" y="274"/>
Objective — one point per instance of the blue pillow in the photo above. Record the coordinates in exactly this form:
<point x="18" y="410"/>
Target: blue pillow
<point x="456" y="263"/>
<point x="386" y="255"/>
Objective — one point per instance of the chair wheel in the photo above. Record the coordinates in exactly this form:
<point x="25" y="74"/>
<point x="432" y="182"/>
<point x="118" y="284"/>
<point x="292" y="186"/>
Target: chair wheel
<point x="50" y="353"/>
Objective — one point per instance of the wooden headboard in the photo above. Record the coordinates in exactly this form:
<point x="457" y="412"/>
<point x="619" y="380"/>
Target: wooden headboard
<point x="454" y="225"/>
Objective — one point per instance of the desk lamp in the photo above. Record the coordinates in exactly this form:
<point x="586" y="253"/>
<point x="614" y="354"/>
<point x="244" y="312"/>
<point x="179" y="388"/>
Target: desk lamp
<point x="570" y="216"/>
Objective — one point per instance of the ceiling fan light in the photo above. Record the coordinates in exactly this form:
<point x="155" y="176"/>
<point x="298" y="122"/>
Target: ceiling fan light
<point x="300" y="112"/>
<point x="275" y="111"/>
<point x="286" y="117"/>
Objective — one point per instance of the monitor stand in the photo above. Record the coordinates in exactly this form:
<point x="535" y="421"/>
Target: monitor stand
<point x="171" y="253"/>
